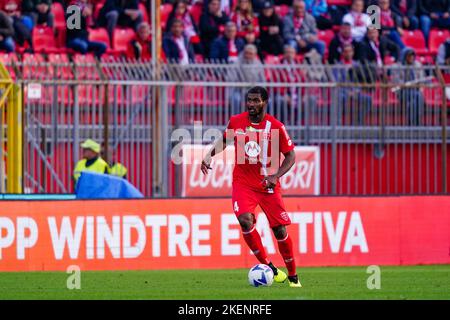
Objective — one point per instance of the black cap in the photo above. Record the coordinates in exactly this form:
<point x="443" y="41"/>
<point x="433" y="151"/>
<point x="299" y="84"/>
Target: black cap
<point x="268" y="4"/>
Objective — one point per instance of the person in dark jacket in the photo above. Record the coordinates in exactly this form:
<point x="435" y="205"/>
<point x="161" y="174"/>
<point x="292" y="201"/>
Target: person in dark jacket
<point x="78" y="39"/>
<point x="124" y="13"/>
<point x="211" y="23"/>
<point x="406" y="11"/>
<point x="374" y="48"/>
<point x="176" y="45"/>
<point x="180" y="11"/>
<point x="270" y="26"/>
<point x="39" y="11"/>
<point x="342" y="38"/>
<point x="6" y="33"/>
<point x="228" y="47"/>
<point x="433" y="13"/>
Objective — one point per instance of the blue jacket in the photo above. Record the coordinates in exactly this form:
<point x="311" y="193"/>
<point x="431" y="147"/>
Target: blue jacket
<point x="219" y="48"/>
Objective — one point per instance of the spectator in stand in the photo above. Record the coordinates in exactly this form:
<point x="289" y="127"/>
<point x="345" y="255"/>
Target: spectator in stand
<point x="434" y="13"/>
<point x="140" y="48"/>
<point x="270" y="26"/>
<point x="78" y="39"/>
<point x="6" y="33"/>
<point x="39" y="11"/>
<point x="299" y="30"/>
<point x="22" y="25"/>
<point x="123" y="13"/>
<point x="341" y="39"/>
<point x="406" y="13"/>
<point x="242" y="16"/>
<point x="411" y="99"/>
<point x="180" y="11"/>
<point x="225" y="5"/>
<point x="353" y="103"/>
<point x="227" y="48"/>
<point x="390" y="23"/>
<point x="358" y="20"/>
<point x="319" y="10"/>
<point x="253" y="68"/>
<point x="251" y="37"/>
<point x="443" y="55"/>
<point x="374" y="48"/>
<point x="211" y="22"/>
<point x="176" y="45"/>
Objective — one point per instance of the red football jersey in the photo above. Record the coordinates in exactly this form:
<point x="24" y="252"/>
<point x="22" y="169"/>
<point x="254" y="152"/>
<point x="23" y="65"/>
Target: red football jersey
<point x="258" y="148"/>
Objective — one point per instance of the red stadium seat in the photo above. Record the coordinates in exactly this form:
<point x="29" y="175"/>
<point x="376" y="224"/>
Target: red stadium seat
<point x="272" y="59"/>
<point x="59" y="63"/>
<point x="436" y="38"/>
<point x="196" y="11"/>
<point x="100" y="35"/>
<point x="122" y="38"/>
<point x="144" y="11"/>
<point x="326" y="36"/>
<point x="59" y="16"/>
<point x="165" y="10"/>
<point x="282" y="10"/>
<point x="8" y="59"/>
<point x="44" y="40"/>
<point x="33" y="66"/>
<point x="415" y="40"/>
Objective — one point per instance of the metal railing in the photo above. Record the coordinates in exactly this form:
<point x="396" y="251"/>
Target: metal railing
<point x="380" y="130"/>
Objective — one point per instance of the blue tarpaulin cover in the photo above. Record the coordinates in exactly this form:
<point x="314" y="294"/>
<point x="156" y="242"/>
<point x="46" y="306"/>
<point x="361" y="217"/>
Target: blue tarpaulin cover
<point x="93" y="185"/>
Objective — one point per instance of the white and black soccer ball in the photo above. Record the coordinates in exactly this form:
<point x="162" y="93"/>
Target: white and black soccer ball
<point x="260" y="275"/>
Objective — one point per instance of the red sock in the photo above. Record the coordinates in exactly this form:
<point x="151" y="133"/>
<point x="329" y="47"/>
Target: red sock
<point x="285" y="246"/>
<point x="253" y="240"/>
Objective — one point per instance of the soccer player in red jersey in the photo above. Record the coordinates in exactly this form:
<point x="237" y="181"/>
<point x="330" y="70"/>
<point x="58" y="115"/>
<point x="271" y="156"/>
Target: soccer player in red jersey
<point x="259" y="140"/>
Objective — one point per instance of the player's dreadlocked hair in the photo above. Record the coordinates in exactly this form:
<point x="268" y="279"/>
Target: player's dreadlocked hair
<point x="261" y="91"/>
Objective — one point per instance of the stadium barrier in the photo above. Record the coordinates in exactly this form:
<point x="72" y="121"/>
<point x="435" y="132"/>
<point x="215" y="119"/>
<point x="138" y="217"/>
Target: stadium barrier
<point x="192" y="234"/>
<point x="380" y="130"/>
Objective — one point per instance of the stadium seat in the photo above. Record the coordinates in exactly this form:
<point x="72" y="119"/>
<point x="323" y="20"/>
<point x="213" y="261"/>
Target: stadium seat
<point x="165" y="10"/>
<point x="436" y="38"/>
<point x="59" y="15"/>
<point x="8" y="59"/>
<point x="272" y="59"/>
<point x="122" y="38"/>
<point x="326" y="36"/>
<point x="282" y="10"/>
<point x="85" y="66"/>
<point x="415" y="40"/>
<point x="59" y="62"/>
<point x="100" y="35"/>
<point x="196" y="11"/>
<point x="44" y="40"/>
<point x="144" y="11"/>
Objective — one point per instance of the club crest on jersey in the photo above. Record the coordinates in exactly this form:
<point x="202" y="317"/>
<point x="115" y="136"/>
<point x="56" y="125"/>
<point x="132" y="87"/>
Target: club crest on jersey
<point x="252" y="149"/>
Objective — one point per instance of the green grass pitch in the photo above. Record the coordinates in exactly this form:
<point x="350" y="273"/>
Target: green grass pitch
<point x="412" y="282"/>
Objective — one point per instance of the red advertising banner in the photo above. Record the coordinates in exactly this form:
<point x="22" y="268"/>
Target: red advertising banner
<point x="204" y="233"/>
<point x="302" y="179"/>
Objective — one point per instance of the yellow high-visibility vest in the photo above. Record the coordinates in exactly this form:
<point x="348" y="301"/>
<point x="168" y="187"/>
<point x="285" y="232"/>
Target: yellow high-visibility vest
<point x="118" y="170"/>
<point x="99" y="166"/>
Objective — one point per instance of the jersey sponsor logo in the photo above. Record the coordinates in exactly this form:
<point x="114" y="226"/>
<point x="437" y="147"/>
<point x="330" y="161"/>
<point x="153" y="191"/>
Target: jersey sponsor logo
<point x="252" y="149"/>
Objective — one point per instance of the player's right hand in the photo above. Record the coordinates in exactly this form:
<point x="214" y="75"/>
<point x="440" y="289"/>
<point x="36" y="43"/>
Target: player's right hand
<point x="205" y="167"/>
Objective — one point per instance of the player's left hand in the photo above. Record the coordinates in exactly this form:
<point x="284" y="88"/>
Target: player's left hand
<point x="270" y="182"/>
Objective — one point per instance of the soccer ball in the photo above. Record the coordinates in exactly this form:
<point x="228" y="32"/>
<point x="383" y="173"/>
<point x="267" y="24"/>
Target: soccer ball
<point x="260" y="275"/>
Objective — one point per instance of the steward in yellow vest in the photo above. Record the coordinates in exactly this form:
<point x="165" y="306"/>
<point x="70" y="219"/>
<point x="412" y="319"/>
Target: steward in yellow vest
<point x="91" y="160"/>
<point x="118" y="170"/>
